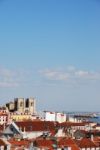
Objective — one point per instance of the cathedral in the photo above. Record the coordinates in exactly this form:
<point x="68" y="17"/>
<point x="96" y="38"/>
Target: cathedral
<point x="22" y="105"/>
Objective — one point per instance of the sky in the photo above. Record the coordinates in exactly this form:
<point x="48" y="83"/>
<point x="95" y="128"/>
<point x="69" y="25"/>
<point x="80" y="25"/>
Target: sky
<point x="50" y="49"/>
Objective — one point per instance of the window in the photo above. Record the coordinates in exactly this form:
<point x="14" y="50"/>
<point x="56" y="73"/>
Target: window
<point x="21" y="104"/>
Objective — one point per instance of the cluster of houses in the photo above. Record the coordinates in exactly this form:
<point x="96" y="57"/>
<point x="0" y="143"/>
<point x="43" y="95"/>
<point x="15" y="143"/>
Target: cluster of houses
<point x="53" y="131"/>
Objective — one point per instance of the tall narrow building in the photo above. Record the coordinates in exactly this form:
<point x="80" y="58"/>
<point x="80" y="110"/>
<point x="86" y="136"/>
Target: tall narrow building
<point x="30" y="105"/>
<point x="19" y="104"/>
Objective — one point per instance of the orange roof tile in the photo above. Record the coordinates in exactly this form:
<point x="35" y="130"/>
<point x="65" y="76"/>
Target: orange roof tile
<point x="30" y="126"/>
<point x="68" y="143"/>
<point x="64" y="124"/>
<point x="19" y="143"/>
<point x="87" y="143"/>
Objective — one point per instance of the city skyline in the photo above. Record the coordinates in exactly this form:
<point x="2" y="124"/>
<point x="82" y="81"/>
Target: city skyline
<point x="50" y="50"/>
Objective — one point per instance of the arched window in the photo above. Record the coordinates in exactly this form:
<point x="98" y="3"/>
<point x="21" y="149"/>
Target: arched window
<point x="21" y="104"/>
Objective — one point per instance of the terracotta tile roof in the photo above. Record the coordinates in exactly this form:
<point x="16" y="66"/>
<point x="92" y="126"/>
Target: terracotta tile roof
<point x="74" y="147"/>
<point x="64" y="124"/>
<point x="44" y="143"/>
<point x="87" y="143"/>
<point x="30" y="126"/>
<point x="77" y="141"/>
<point x="60" y="142"/>
<point x="97" y="141"/>
<point x="68" y="142"/>
<point x="19" y="142"/>
<point x="53" y="132"/>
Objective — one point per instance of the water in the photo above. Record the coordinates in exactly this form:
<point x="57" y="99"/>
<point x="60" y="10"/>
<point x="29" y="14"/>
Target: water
<point x="95" y="119"/>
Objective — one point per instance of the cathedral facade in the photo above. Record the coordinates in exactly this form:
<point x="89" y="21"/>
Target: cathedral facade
<point x="22" y="105"/>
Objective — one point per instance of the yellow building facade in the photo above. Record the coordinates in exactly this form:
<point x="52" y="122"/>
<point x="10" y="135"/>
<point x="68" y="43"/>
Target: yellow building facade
<point x="21" y="117"/>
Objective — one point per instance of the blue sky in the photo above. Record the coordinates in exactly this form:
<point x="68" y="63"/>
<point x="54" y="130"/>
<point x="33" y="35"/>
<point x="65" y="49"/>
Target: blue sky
<point x="50" y="50"/>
